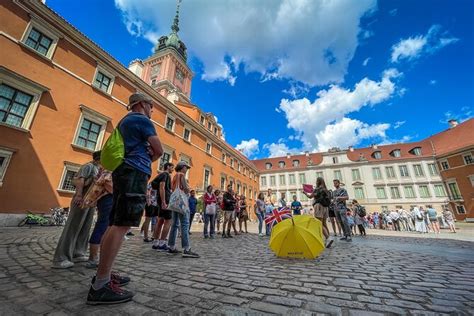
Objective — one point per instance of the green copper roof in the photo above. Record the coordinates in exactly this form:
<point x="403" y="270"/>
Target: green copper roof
<point x="173" y="40"/>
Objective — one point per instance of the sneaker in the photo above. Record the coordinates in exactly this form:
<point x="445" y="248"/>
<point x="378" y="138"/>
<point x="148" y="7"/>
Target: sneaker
<point x="130" y="234"/>
<point x="116" y="278"/>
<point x="66" y="264"/>
<point x="224" y="236"/>
<point x="212" y="237"/>
<point x="190" y="233"/>
<point x="147" y="239"/>
<point x="163" y="248"/>
<point x="343" y="238"/>
<point x="190" y="254"/>
<point x="173" y="251"/>
<point x="111" y="293"/>
<point x="155" y="247"/>
<point x="80" y="259"/>
<point x="329" y="242"/>
<point x="205" y="236"/>
<point x="92" y="264"/>
<point x="260" y="235"/>
<point x="229" y="236"/>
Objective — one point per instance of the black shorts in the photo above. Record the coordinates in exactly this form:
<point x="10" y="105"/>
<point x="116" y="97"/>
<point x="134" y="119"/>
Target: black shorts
<point x="129" y="196"/>
<point x="151" y="210"/>
<point x="165" y="214"/>
<point x="331" y="212"/>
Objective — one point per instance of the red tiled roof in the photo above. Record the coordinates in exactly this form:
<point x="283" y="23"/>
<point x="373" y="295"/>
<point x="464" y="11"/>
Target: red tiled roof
<point x="455" y="138"/>
<point x="386" y="150"/>
<point x="315" y="158"/>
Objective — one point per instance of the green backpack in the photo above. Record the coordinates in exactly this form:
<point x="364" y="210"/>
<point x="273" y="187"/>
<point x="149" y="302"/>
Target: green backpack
<point x="113" y="152"/>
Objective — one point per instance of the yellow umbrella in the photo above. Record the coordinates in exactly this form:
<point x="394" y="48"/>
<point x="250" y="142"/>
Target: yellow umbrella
<point x="297" y="237"/>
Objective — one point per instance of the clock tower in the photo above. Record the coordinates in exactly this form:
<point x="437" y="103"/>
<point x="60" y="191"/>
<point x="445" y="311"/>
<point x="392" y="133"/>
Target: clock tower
<point x="167" y="70"/>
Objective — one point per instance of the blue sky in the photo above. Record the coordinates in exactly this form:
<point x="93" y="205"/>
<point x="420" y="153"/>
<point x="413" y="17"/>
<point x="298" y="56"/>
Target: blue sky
<point x="288" y="76"/>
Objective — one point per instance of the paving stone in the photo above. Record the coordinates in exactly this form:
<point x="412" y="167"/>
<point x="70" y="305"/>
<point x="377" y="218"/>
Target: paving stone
<point x="436" y="301"/>
<point x="250" y="295"/>
<point x="364" y="313"/>
<point x="271" y="292"/>
<point x="323" y="308"/>
<point x="292" y="288"/>
<point x="334" y="294"/>
<point x="226" y="299"/>
<point x="269" y="308"/>
<point x="243" y="287"/>
<point x="400" y="303"/>
<point x="280" y="300"/>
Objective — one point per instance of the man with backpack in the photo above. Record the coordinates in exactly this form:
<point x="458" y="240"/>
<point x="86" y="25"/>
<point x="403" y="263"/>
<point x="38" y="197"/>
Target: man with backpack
<point x="359" y="215"/>
<point x="162" y="185"/>
<point x="131" y="149"/>
<point x="321" y="203"/>
<point x="340" y="197"/>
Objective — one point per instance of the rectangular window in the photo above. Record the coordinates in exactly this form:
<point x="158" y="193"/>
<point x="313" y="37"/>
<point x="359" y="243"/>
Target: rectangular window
<point x="355" y="174"/>
<point x="439" y="190"/>
<point x="381" y="193"/>
<point x="263" y="181"/>
<point x="232" y="162"/>
<point x="282" y="179"/>
<point x="319" y="174"/>
<point x="201" y="120"/>
<point x="444" y="165"/>
<point x="454" y="190"/>
<point x="166" y="157"/>
<point x="187" y="135"/>
<point x="209" y="125"/>
<point x="302" y="178"/>
<point x="292" y="179"/>
<point x="272" y="180"/>
<point x="424" y="191"/>
<point x="433" y="170"/>
<point x="208" y="148"/>
<point x="338" y="175"/>
<point x="418" y="170"/>
<point x="335" y="160"/>
<point x="395" y="193"/>
<point x="14" y="105"/>
<point x="359" y="193"/>
<point x="460" y="209"/>
<point x="404" y="171"/>
<point x="376" y="173"/>
<point x="409" y="192"/>
<point x="215" y="130"/>
<point x="38" y="41"/>
<point x="102" y="81"/>
<point x="88" y="134"/>
<point x="390" y="172"/>
<point x="239" y="167"/>
<point x="468" y="160"/>
<point x="207" y="176"/>
<point x="70" y="171"/>
<point x="223" y="157"/>
<point x="303" y="197"/>
<point x="169" y="123"/>
<point x="5" y="157"/>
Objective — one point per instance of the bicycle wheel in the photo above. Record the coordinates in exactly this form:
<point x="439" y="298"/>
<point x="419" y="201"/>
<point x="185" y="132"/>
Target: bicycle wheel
<point x="23" y="222"/>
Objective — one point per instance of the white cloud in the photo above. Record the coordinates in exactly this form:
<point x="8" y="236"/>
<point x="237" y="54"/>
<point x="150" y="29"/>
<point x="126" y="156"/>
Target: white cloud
<point x="296" y="89"/>
<point x="279" y="149"/>
<point x="399" y="124"/>
<point x="248" y="147"/>
<point x="433" y="82"/>
<point x="303" y="40"/>
<point x="413" y="47"/>
<point x="366" y="61"/>
<point x="464" y="114"/>
<point x="323" y="124"/>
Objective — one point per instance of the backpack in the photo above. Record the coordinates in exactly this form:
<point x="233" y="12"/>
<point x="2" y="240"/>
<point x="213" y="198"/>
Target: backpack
<point x="325" y="199"/>
<point x="361" y="211"/>
<point x="113" y="152"/>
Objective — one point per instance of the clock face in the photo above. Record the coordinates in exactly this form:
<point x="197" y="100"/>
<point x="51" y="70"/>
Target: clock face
<point x="155" y="69"/>
<point x="179" y="75"/>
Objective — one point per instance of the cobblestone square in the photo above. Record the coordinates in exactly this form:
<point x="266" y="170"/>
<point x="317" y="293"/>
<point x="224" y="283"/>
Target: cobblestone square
<point x="370" y="276"/>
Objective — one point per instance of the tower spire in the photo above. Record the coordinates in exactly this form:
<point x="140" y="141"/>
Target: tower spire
<point x="175" y="26"/>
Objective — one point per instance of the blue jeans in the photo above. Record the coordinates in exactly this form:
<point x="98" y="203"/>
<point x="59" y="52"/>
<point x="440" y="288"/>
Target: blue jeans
<point x="104" y="206"/>
<point x="261" y="218"/>
<point x="341" y="215"/>
<point x="209" y="219"/>
<point x="177" y="221"/>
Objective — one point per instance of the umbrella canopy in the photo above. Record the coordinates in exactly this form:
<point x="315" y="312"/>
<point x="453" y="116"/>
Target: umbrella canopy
<point x="297" y="237"/>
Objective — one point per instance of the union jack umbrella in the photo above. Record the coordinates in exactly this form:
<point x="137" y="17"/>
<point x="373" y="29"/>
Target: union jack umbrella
<point x="277" y="216"/>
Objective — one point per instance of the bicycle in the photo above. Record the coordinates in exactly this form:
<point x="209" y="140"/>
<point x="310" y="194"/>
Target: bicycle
<point x="33" y="219"/>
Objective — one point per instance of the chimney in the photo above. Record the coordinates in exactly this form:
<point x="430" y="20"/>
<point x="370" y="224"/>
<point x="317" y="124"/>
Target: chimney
<point x="306" y="153"/>
<point x="453" y="123"/>
<point x="374" y="146"/>
<point x="288" y="155"/>
<point x="351" y="148"/>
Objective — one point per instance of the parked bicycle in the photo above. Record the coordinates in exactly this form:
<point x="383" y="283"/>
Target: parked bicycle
<point x="34" y="219"/>
<point x="58" y="217"/>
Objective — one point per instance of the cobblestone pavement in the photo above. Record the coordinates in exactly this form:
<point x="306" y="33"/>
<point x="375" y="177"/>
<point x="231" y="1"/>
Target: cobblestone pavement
<point x="370" y="276"/>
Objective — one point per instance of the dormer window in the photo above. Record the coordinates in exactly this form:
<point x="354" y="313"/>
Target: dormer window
<point x="396" y="153"/>
<point x="416" y="151"/>
<point x="296" y="163"/>
<point x="377" y="155"/>
<point x="268" y="166"/>
<point x="281" y="164"/>
<point x="335" y="160"/>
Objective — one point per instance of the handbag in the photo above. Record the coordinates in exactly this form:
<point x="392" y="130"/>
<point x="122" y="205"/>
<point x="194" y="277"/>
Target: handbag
<point x="178" y="202"/>
<point x="211" y="209"/>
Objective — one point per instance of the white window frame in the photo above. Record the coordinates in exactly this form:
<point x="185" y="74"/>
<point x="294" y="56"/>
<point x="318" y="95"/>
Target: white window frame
<point x="417" y="151"/>
<point x="282" y="176"/>
<point x="406" y="169"/>
<point x="109" y="74"/>
<point x="377" y="155"/>
<point x="202" y="120"/>
<point x="464" y="159"/>
<point x="381" y="189"/>
<point x="263" y="181"/>
<point x="25" y="85"/>
<point x="340" y="173"/>
<point x="187" y="128"/>
<point x="268" y="165"/>
<point x="433" y="169"/>
<point x="471" y="179"/>
<point x="170" y="152"/>
<point x="335" y="160"/>
<point x="46" y="30"/>
<point x="377" y="173"/>
<point x="319" y="174"/>
<point x="418" y="167"/>
<point x="68" y="166"/>
<point x="209" y="152"/>
<point x="457" y="209"/>
<point x="397" y="153"/>
<point x="95" y="117"/>
<point x="296" y="163"/>
<point x="412" y="190"/>
<point x="292" y="176"/>
<point x="224" y="157"/>
<point x="441" y="164"/>
<point x="7" y="154"/>
<point x="204" y="177"/>
<point x="395" y="196"/>
<point x="355" y="172"/>
<point x="427" y="191"/>
<point x="273" y="183"/>
<point x="223" y="186"/>
<point x="304" y="178"/>
<point x="170" y="116"/>
<point x="356" y="189"/>
<point x="451" y="195"/>
<point x="436" y="191"/>
<point x="391" y="174"/>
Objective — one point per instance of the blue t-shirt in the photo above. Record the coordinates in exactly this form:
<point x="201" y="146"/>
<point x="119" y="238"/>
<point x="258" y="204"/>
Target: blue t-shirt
<point x="192" y="204"/>
<point x="296" y="207"/>
<point x="135" y="129"/>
